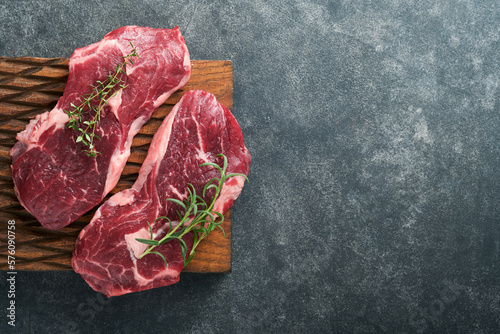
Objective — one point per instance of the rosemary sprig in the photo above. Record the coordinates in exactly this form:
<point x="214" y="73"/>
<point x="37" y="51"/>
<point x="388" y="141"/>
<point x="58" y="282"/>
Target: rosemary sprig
<point x="103" y="92"/>
<point x="198" y="216"/>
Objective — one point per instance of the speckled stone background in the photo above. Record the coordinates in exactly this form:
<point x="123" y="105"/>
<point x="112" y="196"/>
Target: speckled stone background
<point x="373" y="205"/>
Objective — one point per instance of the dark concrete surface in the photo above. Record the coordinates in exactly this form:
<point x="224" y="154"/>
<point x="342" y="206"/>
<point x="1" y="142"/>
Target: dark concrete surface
<point x="373" y="202"/>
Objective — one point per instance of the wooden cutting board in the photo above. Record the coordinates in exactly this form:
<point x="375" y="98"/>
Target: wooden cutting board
<point x="30" y="86"/>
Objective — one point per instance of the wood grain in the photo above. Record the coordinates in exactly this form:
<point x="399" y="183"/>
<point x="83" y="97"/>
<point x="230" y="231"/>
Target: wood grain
<point x="30" y="86"/>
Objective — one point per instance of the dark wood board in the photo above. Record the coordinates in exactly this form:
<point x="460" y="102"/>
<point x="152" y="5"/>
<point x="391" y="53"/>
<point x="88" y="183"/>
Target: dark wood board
<point x="30" y="86"/>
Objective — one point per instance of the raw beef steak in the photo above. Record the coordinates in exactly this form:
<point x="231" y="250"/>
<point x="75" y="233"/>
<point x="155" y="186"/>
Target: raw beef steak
<point x="54" y="178"/>
<point x="196" y="130"/>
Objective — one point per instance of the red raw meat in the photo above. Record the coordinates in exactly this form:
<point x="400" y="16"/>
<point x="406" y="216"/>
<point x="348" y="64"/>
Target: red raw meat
<point x="54" y="178"/>
<point x="196" y="130"/>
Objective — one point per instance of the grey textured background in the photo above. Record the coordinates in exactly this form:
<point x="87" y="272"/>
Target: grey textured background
<point x="373" y="201"/>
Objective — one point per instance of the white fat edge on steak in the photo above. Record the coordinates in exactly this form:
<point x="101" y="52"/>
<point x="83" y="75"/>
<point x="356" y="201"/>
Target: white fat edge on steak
<point x="97" y="216"/>
<point x="124" y="197"/>
<point x="153" y="160"/>
<point x="157" y="149"/>
<point x="81" y="55"/>
<point x="119" y="159"/>
<point x="155" y="155"/>
<point x="41" y="123"/>
<point x="231" y="190"/>
<point x="187" y="64"/>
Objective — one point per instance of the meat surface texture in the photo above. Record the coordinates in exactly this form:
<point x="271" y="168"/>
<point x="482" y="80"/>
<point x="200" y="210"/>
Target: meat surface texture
<point x="196" y="130"/>
<point x="54" y="178"/>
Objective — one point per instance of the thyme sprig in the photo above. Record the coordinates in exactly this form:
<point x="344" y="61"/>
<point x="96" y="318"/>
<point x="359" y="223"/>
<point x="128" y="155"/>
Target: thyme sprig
<point x="197" y="216"/>
<point x="103" y="92"/>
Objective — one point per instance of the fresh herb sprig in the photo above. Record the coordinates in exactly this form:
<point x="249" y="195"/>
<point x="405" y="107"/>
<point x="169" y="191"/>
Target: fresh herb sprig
<point x="103" y="92"/>
<point x="198" y="216"/>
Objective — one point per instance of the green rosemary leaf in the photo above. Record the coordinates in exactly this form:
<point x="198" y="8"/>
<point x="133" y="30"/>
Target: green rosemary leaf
<point x="220" y="215"/>
<point x="201" y="202"/>
<point x="202" y="229"/>
<point x="191" y="191"/>
<point x="150" y="230"/>
<point x="159" y="218"/>
<point x="183" y="248"/>
<point x="224" y="165"/>
<point x="210" y="184"/>
<point x="209" y="187"/>
<point x="205" y="221"/>
<point x="189" y="258"/>
<point x="148" y="241"/>
<point x="163" y="257"/>
<point x="195" y="239"/>
<point x="213" y="165"/>
<point x="177" y="202"/>
<point x="223" y="232"/>
<point x="208" y="213"/>
<point x="170" y="224"/>
<point x="236" y="174"/>
<point x="169" y="239"/>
